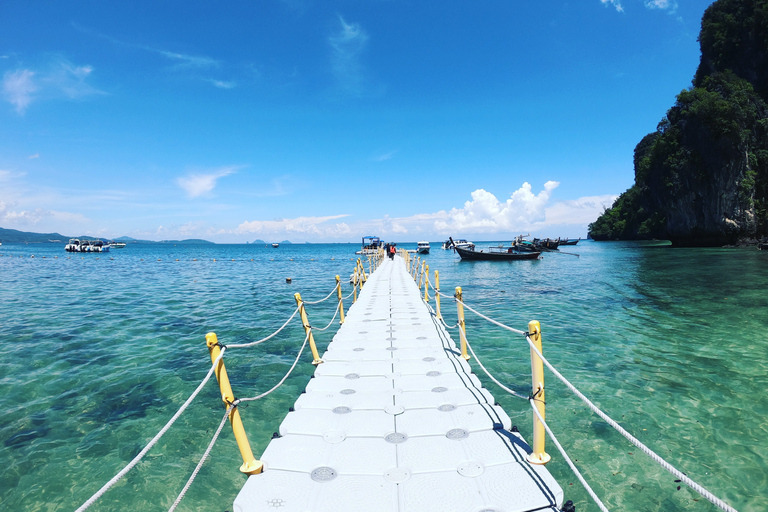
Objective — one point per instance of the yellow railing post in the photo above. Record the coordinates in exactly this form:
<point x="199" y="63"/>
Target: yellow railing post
<point x="437" y="294"/>
<point x="341" y="301"/>
<point x="354" y="297"/>
<point x="362" y="271"/>
<point x="538" y="456"/>
<point x="250" y="466"/>
<point x="426" y="284"/>
<point x="462" y="327"/>
<point x="307" y="329"/>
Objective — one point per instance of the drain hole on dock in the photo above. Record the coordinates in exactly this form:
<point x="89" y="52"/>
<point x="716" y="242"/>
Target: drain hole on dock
<point x="396" y="438"/>
<point x="358" y="349"/>
<point x="428" y="359"/>
<point x="439" y="389"/>
<point x="323" y="474"/>
<point x="363" y="332"/>
<point x="342" y="410"/>
<point x="351" y="376"/>
<point x="447" y="408"/>
<point x="391" y="339"/>
<point x="421" y="338"/>
<point x="457" y="433"/>
<point x="433" y="373"/>
<point x="347" y="391"/>
<point x="391" y="348"/>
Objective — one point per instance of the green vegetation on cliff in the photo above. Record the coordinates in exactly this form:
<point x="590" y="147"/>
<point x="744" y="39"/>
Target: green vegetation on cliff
<point x="702" y="177"/>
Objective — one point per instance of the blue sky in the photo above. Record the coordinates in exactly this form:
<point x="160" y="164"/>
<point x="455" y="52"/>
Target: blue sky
<point x="329" y="120"/>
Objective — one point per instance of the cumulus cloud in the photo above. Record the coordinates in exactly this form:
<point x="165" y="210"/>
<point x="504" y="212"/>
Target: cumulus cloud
<point x="198" y="184"/>
<point x="347" y="46"/>
<point x="615" y="3"/>
<point x="18" y="88"/>
<point x="579" y="211"/>
<point x="487" y="214"/>
<point x="299" y="225"/>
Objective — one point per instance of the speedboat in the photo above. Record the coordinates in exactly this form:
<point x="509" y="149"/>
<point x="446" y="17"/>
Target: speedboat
<point x="73" y="245"/>
<point x="464" y="244"/>
<point x="275" y="246"/>
<point x="422" y="248"/>
<point x="117" y="245"/>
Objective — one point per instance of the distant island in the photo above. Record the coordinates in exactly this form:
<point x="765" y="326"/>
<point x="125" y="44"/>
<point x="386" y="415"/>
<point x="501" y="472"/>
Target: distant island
<point x="701" y="179"/>
<point x="21" y="237"/>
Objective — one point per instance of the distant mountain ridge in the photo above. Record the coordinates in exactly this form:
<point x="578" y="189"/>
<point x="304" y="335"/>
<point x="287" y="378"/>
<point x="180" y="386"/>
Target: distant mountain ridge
<point x="20" y="237"/>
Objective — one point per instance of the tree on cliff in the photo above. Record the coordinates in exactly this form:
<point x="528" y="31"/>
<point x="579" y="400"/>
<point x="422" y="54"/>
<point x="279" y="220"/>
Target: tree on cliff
<point x="702" y="177"/>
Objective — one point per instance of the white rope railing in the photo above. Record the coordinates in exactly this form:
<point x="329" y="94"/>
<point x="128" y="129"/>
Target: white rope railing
<point x="653" y="455"/>
<point x="326" y="297"/>
<point x="568" y="459"/>
<point x="186" y="404"/>
<point x="329" y="323"/>
<point x="154" y="440"/>
<point x="223" y="421"/>
<point x="202" y="461"/>
<point x="254" y="343"/>
<point x="301" y="350"/>
<point x="494" y="379"/>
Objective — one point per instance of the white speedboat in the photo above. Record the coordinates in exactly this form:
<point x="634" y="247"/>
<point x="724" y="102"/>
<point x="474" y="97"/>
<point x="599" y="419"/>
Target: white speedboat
<point x="117" y="245"/>
<point x="73" y="245"/>
<point x="422" y="248"/>
<point x="275" y="246"/>
<point x="464" y="244"/>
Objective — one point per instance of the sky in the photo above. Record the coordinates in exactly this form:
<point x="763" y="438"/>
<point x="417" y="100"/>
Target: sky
<point x="325" y="121"/>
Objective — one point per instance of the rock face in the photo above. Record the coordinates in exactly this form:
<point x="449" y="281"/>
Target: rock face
<point x="702" y="177"/>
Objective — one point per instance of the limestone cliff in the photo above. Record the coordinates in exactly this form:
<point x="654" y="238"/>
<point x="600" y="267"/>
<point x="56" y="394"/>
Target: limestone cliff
<point x="702" y="177"/>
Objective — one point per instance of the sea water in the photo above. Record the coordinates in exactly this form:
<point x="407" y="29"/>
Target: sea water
<point x="100" y="350"/>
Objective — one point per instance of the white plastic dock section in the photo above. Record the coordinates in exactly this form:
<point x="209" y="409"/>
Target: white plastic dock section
<point x="395" y="421"/>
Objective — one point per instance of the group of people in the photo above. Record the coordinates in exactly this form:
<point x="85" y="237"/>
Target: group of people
<point x="390" y="250"/>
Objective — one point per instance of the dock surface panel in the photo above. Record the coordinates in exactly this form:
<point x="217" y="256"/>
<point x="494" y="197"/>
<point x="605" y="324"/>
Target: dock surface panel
<point x="395" y="421"/>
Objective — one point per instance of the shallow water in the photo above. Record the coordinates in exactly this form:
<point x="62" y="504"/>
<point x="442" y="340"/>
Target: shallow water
<point x="101" y="350"/>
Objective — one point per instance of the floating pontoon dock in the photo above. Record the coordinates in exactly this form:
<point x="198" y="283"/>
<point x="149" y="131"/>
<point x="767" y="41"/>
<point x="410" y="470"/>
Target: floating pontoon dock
<point x="394" y="420"/>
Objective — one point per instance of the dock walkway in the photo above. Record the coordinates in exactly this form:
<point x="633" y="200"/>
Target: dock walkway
<point x="394" y="420"/>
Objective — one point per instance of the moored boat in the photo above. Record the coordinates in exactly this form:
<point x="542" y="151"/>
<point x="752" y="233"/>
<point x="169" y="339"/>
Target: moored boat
<point x="371" y="245"/>
<point x="422" y="248"/>
<point x="464" y="244"/>
<point x="496" y="254"/>
<point x="117" y="245"/>
<point x="571" y="241"/>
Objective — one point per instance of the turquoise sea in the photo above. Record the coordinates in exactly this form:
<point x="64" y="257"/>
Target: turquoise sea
<point x="100" y="350"/>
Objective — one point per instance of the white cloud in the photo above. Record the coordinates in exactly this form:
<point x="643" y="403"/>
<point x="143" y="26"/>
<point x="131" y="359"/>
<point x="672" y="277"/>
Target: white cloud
<point x="64" y="77"/>
<point x="615" y="3"/>
<point x="299" y="225"/>
<point x="33" y="157"/>
<point x="384" y="157"/>
<point x="670" y="5"/>
<point x="348" y="45"/>
<point x="583" y="210"/>
<point x="198" y="184"/>
<point x="486" y="214"/>
<point x="59" y="79"/>
<point x="221" y="84"/>
<point x="18" y="88"/>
